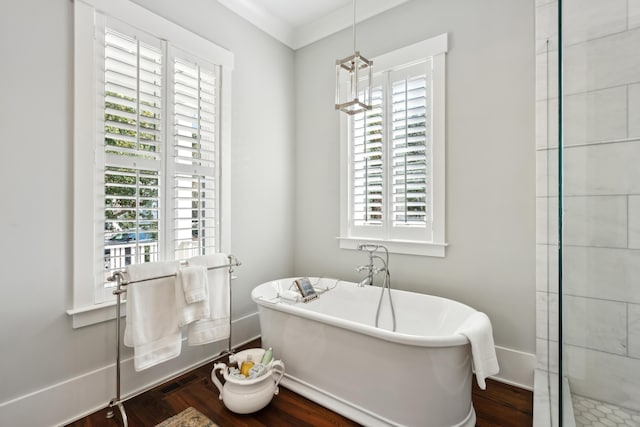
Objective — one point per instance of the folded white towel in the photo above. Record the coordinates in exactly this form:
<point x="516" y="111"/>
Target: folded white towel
<point x="477" y="328"/>
<point x="152" y="318"/>
<point x="192" y="294"/>
<point x="217" y="327"/>
<point x="195" y="285"/>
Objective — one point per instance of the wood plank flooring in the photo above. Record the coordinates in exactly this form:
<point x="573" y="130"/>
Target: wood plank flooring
<point x="500" y="405"/>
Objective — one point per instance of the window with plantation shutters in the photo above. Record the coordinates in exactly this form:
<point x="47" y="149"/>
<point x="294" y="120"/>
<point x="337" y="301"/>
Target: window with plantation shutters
<point x="393" y="155"/>
<point x="151" y="176"/>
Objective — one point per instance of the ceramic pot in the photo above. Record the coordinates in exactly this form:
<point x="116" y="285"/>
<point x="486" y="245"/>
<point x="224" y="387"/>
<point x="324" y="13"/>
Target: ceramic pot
<point x="245" y="396"/>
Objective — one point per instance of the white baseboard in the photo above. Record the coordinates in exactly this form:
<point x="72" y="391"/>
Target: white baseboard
<point x="74" y="398"/>
<point x="516" y="367"/>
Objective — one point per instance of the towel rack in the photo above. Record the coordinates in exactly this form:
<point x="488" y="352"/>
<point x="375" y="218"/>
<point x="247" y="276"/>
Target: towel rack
<point x="121" y="280"/>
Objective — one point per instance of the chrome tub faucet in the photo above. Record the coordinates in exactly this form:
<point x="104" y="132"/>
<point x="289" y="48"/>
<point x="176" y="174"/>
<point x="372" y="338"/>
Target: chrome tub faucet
<point x="370" y="267"/>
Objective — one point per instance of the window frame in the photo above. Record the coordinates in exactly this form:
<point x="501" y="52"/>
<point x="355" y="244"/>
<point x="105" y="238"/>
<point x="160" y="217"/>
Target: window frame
<point x="88" y="305"/>
<point x="433" y="49"/>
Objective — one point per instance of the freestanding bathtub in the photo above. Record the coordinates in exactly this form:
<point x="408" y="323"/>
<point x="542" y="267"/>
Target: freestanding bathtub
<point x="419" y="375"/>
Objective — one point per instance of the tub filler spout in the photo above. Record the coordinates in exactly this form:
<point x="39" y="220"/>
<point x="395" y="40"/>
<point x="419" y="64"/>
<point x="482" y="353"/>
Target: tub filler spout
<point x="372" y="270"/>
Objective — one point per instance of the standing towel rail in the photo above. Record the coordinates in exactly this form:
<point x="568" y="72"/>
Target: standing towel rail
<point x="121" y="280"/>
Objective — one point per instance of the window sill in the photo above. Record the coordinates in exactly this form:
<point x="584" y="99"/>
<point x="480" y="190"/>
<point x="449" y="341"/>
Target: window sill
<point x="405" y="247"/>
<point x="85" y="316"/>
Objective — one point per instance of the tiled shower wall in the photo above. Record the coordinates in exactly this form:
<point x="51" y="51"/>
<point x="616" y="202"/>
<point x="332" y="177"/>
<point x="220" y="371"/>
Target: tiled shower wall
<point x="601" y="185"/>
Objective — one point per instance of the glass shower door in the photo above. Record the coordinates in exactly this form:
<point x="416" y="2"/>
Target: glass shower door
<point x="599" y="211"/>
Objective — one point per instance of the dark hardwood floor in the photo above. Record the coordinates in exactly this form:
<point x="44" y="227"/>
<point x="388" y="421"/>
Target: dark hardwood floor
<point x="499" y="405"/>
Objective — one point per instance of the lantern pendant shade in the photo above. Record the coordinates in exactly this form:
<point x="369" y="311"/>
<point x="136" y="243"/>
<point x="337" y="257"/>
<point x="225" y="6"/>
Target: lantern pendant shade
<point x="353" y="84"/>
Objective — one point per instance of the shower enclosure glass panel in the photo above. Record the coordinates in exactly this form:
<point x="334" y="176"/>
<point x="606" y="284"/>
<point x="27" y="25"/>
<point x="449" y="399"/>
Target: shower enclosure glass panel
<point x="598" y="196"/>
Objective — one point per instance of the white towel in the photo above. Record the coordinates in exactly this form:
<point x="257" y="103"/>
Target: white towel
<point x="152" y="319"/>
<point x="192" y="294"/>
<point x="195" y="285"/>
<point x="477" y="328"/>
<point x="217" y="327"/>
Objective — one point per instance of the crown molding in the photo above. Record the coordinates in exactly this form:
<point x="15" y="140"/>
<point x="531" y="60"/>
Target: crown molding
<point x="301" y="36"/>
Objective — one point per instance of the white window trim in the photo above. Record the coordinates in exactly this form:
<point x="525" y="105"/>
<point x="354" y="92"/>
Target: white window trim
<point x="85" y="311"/>
<point x="436" y="48"/>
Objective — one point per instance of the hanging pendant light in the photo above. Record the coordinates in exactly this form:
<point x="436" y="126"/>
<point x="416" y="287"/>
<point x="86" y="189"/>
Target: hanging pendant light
<point x="353" y="79"/>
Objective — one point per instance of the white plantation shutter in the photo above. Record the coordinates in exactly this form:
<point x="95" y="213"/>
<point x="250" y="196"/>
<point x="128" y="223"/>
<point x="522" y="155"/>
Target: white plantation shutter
<point x="133" y="100"/>
<point x="133" y="96"/>
<point x="368" y="155"/>
<point x="410" y="136"/>
<point x="195" y="112"/>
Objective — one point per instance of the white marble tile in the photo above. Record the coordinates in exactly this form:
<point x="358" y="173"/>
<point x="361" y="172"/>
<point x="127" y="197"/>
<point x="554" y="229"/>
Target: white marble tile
<point x="634" y="110"/>
<point x="542" y="266"/>
<point x="546" y="75"/>
<point x="541" y="404"/>
<point x="547" y="172"/>
<point x="634" y="222"/>
<point x="553" y="356"/>
<point x="634" y="330"/>
<point x="542" y="322"/>
<point x="603" y="376"/>
<point x="542" y="176"/>
<point x="547" y="268"/>
<point x="541" y="172"/>
<point x="594" y="221"/>
<point x="589" y="19"/>
<point x="547" y="123"/>
<point x="595" y="116"/>
<point x="634" y="14"/>
<point x="546" y="402"/>
<point x="546" y="220"/>
<point x="604" y="273"/>
<point x="553" y="261"/>
<point x="542" y="349"/>
<point x="547" y="355"/>
<point x="547" y="316"/>
<point x="595" y="324"/>
<point x="602" y="169"/>
<point x="602" y="63"/>
<point x="542" y="221"/>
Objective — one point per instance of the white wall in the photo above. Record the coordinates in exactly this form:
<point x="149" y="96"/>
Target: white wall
<point x="43" y="359"/>
<point x="490" y="222"/>
<point x="284" y="182"/>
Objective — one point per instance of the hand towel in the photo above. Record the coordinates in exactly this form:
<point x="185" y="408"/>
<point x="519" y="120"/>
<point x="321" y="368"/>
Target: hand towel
<point x="152" y="318"/>
<point x="192" y="294"/>
<point x="477" y="328"/>
<point x="193" y="280"/>
<point x="217" y="327"/>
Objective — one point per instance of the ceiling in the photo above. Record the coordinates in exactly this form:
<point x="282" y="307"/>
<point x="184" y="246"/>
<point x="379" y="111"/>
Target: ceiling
<point x="298" y="23"/>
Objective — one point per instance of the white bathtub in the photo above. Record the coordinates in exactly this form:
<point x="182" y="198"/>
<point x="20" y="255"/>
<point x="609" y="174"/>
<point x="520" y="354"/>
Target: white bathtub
<point x="418" y="376"/>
